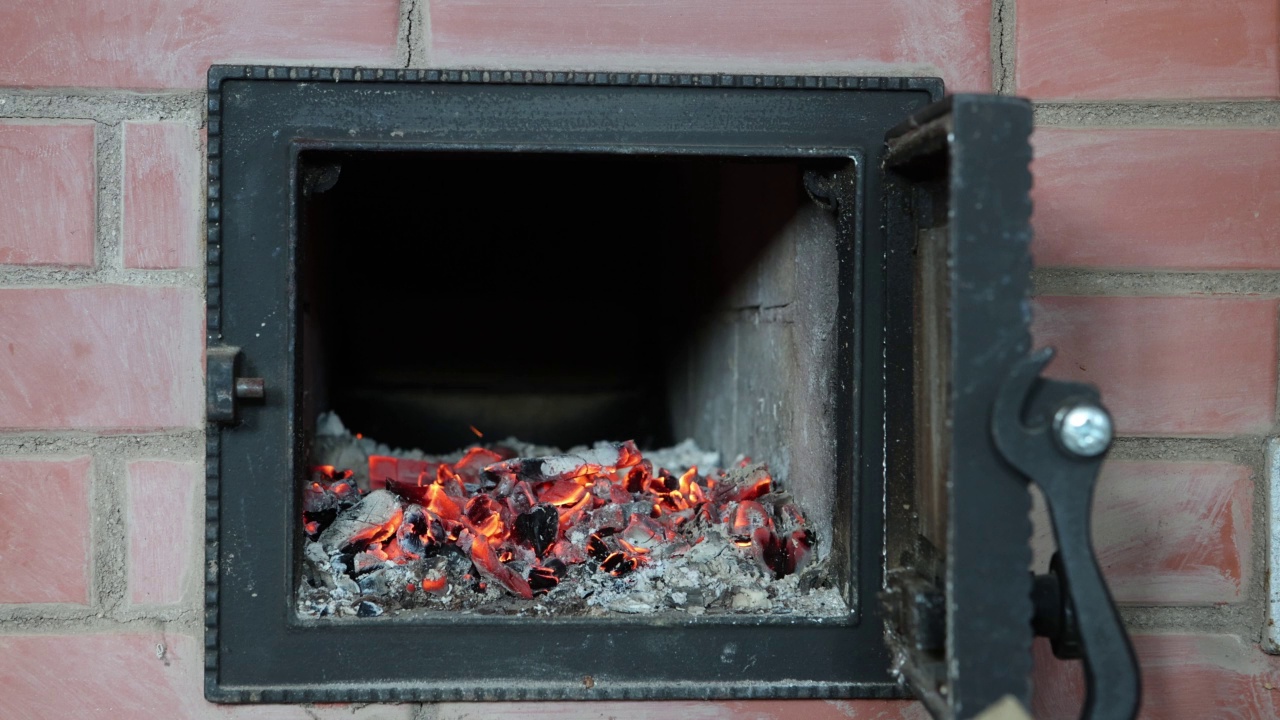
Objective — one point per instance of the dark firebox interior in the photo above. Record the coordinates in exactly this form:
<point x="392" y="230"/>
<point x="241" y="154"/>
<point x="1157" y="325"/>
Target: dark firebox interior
<point x="551" y="297"/>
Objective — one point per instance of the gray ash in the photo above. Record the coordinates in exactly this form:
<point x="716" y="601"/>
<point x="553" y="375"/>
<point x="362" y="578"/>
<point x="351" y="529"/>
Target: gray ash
<point x="513" y="529"/>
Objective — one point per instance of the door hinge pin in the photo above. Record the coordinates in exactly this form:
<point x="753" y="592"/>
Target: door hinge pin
<point x="250" y="387"/>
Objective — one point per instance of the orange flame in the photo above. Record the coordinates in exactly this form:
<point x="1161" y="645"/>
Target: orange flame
<point x="562" y="493"/>
<point x="492" y="528"/>
<point x="570" y="514"/>
<point x="628" y="455"/>
<point x="442" y="505"/>
<point x="487" y="563"/>
<point x="633" y="549"/>
<point x="379" y="533"/>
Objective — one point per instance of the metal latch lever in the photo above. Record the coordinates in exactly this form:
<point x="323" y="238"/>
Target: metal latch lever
<point x="1056" y="434"/>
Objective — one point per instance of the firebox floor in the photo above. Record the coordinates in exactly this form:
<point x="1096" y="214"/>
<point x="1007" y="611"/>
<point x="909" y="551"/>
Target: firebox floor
<point x="510" y="528"/>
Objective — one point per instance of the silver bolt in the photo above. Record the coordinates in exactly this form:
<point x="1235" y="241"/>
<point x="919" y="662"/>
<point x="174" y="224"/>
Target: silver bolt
<point x="1084" y="430"/>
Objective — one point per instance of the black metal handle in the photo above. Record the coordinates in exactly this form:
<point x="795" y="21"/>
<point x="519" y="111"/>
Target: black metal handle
<point x="1024" y="429"/>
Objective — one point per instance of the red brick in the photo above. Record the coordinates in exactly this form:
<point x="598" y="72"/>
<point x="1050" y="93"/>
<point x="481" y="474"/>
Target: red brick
<point x="1169" y="366"/>
<point x="46" y="193"/>
<point x="101" y="358"/>
<point x="162" y="205"/>
<point x="1184" y="199"/>
<point x="40" y="566"/>
<point x="1184" y="677"/>
<point x="1109" y="49"/>
<point x="1174" y="532"/>
<point x="690" y="710"/>
<point x="951" y="37"/>
<point x="171" y="43"/>
<point x="162" y="530"/>
<point x="140" y="676"/>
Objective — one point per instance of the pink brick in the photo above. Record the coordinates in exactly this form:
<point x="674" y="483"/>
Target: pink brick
<point x="162" y="190"/>
<point x="1169" y="366"/>
<point x="170" y="44"/>
<point x="1186" y="199"/>
<point x="44" y="539"/>
<point x="951" y="37"/>
<point x="1174" y="532"/>
<point x="1109" y="49"/>
<point x="1184" y="677"/>
<point x="140" y="676"/>
<point x="46" y="193"/>
<point x="101" y="358"/>
<point x="689" y="710"/>
<point x="162" y="532"/>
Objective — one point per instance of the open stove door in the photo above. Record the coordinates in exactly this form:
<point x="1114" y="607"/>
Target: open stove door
<point x="961" y="603"/>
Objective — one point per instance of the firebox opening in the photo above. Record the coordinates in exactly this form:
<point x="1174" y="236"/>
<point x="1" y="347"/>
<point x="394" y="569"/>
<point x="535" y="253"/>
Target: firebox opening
<point x="569" y="298"/>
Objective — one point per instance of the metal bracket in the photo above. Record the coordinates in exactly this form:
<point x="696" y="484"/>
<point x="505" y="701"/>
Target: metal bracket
<point x="1056" y="434"/>
<point x="223" y="388"/>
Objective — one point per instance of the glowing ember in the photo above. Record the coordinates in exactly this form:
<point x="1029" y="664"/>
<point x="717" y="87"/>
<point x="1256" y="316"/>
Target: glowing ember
<point x="491" y="522"/>
<point x="436" y="586"/>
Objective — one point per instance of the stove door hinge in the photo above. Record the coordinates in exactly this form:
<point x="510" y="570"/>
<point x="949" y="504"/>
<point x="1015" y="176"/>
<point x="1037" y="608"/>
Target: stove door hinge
<point x="223" y="389"/>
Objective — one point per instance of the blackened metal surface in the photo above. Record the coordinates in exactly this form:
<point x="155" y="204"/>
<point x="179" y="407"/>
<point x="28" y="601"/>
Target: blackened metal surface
<point x="961" y="167"/>
<point x="259" y="118"/>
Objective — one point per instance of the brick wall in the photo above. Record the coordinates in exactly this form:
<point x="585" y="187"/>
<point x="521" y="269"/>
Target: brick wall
<point x="1157" y="201"/>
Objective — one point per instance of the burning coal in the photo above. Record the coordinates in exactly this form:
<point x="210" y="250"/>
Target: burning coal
<point x="403" y="532"/>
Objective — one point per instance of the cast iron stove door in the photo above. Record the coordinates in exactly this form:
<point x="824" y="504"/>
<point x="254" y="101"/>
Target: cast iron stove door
<point x="932" y="243"/>
<point x="961" y="604"/>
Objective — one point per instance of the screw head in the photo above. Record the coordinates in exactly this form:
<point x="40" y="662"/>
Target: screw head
<point x="1084" y="430"/>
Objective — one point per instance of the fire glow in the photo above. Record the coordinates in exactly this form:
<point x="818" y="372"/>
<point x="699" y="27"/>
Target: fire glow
<point x="519" y="524"/>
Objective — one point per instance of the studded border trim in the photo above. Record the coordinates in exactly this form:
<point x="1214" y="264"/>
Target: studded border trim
<point x="219" y="73"/>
